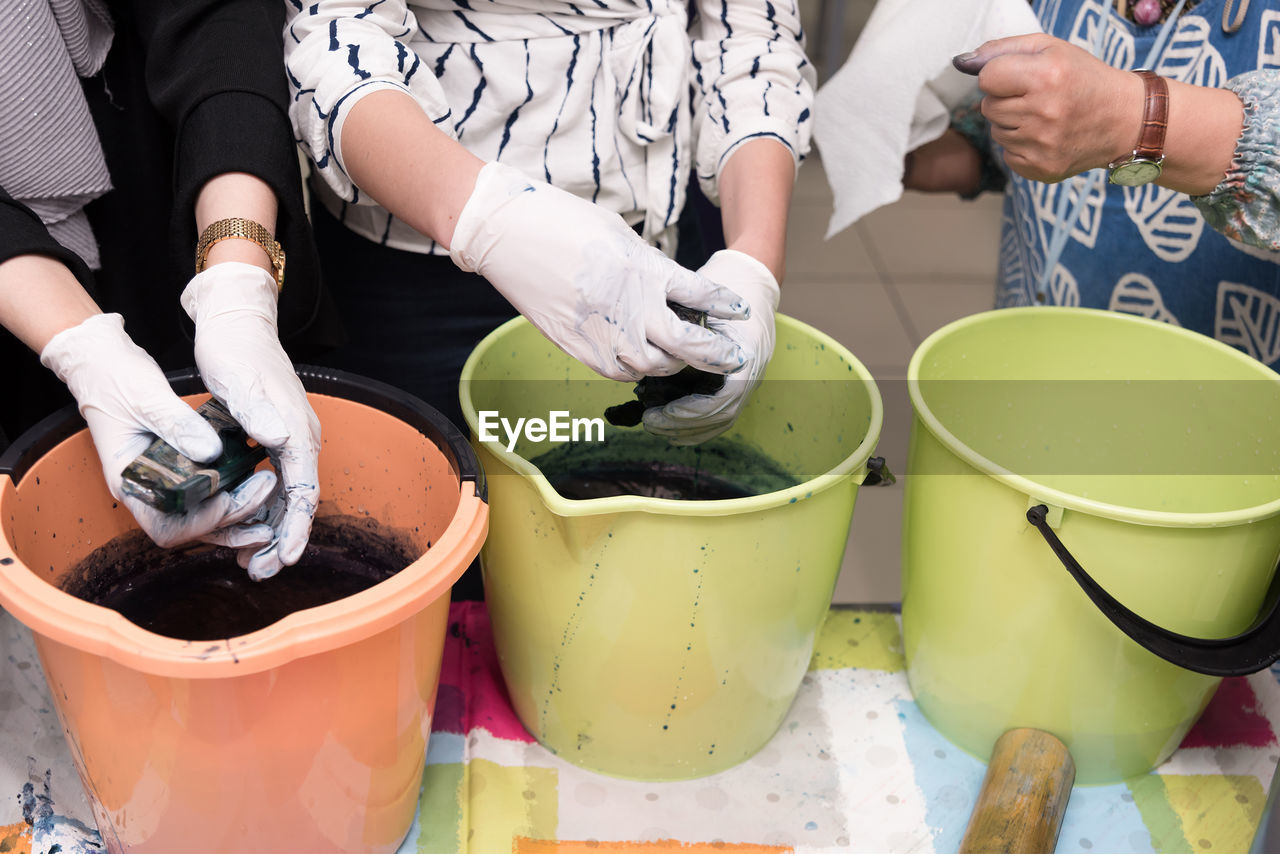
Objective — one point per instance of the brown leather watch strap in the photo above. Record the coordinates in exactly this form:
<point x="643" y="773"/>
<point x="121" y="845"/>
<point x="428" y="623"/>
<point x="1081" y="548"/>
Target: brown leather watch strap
<point x="1155" y="116"/>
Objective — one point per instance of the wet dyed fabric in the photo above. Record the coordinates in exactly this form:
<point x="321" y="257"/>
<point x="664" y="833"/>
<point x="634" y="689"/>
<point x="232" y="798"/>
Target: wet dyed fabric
<point x="1149" y="250"/>
<point x="854" y="767"/>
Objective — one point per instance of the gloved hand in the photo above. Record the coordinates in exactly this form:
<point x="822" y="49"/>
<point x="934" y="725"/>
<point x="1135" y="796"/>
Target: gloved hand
<point x="695" y="418"/>
<point x="242" y="363"/>
<point x="127" y="402"/>
<point x="588" y="282"/>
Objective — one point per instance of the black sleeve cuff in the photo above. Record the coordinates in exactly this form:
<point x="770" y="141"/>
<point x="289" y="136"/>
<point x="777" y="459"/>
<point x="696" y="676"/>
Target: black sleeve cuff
<point x="231" y="132"/>
<point x="22" y="233"/>
<point x="246" y="132"/>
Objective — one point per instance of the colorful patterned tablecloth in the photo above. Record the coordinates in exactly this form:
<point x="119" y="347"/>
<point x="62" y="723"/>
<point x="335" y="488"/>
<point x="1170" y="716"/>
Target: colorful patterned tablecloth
<point x="855" y="767"/>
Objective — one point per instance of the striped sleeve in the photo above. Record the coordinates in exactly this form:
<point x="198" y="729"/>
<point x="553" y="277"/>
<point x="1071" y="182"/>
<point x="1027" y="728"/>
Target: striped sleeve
<point x="751" y="81"/>
<point x="338" y="51"/>
<point x="1246" y="205"/>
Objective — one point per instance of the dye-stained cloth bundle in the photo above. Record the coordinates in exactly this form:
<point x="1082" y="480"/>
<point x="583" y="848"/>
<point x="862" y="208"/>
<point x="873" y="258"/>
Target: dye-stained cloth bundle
<point x="50" y="157"/>
<point x="896" y="90"/>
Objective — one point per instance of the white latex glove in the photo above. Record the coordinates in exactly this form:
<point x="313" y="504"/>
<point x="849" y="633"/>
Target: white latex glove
<point x="588" y="282"/>
<point x="695" y="418"/>
<point x="127" y="402"/>
<point x="242" y="363"/>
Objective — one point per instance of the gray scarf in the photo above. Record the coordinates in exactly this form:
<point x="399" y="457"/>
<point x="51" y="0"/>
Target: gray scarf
<point x="50" y="157"/>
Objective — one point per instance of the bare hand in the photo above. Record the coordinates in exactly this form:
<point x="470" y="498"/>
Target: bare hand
<point x="948" y="164"/>
<point x="1056" y="109"/>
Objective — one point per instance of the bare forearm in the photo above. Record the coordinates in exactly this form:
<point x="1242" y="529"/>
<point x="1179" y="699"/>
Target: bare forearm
<point x="395" y="154"/>
<point x="1204" y="125"/>
<point x="755" y="197"/>
<point x="236" y="194"/>
<point x="39" y="297"/>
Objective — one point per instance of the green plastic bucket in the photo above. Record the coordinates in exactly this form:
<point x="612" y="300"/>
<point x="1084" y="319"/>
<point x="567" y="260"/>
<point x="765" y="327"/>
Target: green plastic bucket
<point x="1140" y="458"/>
<point x="654" y="638"/>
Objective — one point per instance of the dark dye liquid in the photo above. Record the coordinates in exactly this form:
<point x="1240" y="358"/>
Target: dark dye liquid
<point x="655" y="480"/>
<point x="638" y="463"/>
<point x="203" y="594"/>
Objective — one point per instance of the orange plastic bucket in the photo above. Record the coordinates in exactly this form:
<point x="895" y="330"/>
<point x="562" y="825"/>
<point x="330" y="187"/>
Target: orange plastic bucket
<point x="307" y="735"/>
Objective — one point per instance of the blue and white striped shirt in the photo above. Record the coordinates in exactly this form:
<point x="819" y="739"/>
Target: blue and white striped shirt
<point x="612" y="100"/>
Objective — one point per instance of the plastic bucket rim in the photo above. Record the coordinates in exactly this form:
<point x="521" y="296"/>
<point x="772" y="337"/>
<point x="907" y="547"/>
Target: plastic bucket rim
<point x="310" y="631"/>
<point x="569" y="507"/>
<point x="54" y="614"/>
<point x="1056" y="497"/>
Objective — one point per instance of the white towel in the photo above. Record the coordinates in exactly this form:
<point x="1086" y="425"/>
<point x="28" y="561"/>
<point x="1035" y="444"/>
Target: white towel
<point x="896" y="90"/>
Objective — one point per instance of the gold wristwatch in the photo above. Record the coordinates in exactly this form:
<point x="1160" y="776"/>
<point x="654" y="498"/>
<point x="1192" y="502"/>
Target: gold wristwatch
<point x="247" y="229"/>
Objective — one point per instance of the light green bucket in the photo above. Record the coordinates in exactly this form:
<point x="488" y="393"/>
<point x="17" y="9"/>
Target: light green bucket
<point x="1155" y="455"/>
<point x="665" y="639"/>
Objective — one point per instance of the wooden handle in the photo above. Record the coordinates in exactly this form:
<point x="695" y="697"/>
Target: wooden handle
<point x="1023" y="797"/>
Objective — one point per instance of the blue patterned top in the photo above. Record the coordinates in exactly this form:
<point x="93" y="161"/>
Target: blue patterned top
<point x="1148" y="250"/>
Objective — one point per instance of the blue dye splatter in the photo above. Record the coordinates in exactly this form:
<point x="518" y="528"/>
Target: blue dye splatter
<point x="51" y="832"/>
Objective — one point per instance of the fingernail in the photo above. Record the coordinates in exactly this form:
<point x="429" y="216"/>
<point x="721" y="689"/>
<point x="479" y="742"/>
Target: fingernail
<point x="967" y="62"/>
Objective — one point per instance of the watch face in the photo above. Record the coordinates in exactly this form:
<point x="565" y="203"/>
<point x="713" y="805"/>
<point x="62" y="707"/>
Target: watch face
<point x="1135" y="173"/>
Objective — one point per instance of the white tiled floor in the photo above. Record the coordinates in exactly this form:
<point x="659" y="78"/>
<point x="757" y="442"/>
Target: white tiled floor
<point x="880" y="287"/>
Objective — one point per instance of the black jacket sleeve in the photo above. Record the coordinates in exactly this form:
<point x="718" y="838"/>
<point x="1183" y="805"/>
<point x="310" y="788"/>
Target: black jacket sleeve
<point x="22" y="233"/>
<point x="214" y="70"/>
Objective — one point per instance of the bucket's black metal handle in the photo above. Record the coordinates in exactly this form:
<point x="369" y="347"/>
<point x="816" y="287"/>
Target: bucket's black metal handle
<point x="1254" y="649"/>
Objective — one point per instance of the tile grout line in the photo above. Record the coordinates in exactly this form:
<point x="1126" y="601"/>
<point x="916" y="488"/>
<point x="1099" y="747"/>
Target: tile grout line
<point x="886" y="282"/>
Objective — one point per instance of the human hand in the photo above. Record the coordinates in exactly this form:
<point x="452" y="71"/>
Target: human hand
<point x="696" y="418"/>
<point x="948" y="164"/>
<point x="588" y="282"/>
<point x="238" y="352"/>
<point x="1056" y="109"/>
<point x="127" y="402"/>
